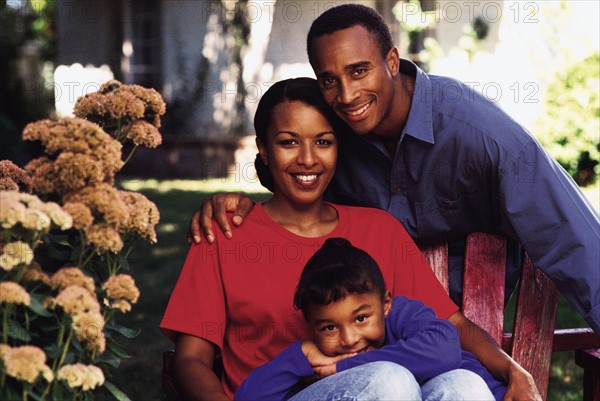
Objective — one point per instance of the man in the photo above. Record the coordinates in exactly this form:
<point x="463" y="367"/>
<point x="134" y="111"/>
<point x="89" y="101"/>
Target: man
<point x="446" y="162"/>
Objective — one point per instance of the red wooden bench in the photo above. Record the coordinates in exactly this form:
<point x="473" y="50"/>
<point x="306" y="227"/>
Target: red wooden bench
<point x="533" y="338"/>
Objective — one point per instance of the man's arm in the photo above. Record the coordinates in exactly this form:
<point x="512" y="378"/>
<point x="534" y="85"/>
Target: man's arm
<point x="474" y="339"/>
<point x="195" y="378"/>
<point x="217" y="206"/>
<point x="542" y="208"/>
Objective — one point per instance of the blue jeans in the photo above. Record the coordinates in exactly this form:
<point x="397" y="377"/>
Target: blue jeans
<point x="459" y="384"/>
<point x="379" y="381"/>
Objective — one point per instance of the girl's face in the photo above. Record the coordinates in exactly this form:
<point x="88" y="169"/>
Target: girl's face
<point x="355" y="323"/>
<point x="301" y="153"/>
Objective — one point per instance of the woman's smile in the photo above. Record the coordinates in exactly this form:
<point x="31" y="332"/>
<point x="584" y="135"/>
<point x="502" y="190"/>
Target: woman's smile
<point x="301" y="153"/>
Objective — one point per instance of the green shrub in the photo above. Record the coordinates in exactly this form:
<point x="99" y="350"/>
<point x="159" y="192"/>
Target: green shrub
<point x="570" y="126"/>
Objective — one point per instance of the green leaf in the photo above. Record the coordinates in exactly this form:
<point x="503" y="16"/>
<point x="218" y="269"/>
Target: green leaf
<point x="109" y="358"/>
<point x="9" y="393"/>
<point x="36" y="306"/>
<point x="59" y="254"/>
<point x="53" y="351"/>
<point x="117" y="350"/>
<point x="17" y="332"/>
<point x="118" y="394"/>
<point x="62" y="239"/>
<point x="60" y="391"/>
<point x="123" y="262"/>
<point x="122" y="330"/>
<point x="34" y="396"/>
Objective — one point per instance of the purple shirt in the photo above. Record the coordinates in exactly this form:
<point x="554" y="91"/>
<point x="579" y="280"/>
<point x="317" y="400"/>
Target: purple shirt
<point x="425" y="345"/>
<point x="462" y="165"/>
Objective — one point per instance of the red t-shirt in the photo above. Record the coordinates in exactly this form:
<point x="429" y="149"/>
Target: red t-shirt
<point x="238" y="293"/>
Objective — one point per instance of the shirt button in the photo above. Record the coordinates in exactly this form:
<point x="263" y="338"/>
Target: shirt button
<point x="397" y="190"/>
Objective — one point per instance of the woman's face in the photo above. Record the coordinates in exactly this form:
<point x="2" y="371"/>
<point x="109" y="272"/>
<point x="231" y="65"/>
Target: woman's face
<point x="301" y="153"/>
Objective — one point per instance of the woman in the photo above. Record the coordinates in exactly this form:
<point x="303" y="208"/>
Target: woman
<point x="234" y="297"/>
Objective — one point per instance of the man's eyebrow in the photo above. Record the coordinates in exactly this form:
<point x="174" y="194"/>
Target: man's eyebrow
<point x="358" y="64"/>
<point x="349" y="67"/>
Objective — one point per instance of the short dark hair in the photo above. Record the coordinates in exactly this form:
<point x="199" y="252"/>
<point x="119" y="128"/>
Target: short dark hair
<point x="305" y="90"/>
<point x="334" y="271"/>
<point x="346" y="16"/>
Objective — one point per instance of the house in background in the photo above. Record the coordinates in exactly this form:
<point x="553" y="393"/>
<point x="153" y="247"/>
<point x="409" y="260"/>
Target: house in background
<point x="212" y="60"/>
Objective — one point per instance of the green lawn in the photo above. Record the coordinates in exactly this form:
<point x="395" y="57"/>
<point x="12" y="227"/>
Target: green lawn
<point x="156" y="268"/>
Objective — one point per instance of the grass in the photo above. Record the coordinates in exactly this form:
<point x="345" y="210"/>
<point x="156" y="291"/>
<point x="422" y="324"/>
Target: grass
<point x="156" y="268"/>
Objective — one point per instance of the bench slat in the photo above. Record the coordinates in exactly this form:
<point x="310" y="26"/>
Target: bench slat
<point x="483" y="285"/>
<point x="535" y="318"/>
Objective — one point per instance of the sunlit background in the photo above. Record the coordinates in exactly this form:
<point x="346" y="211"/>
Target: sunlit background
<point x="212" y="60"/>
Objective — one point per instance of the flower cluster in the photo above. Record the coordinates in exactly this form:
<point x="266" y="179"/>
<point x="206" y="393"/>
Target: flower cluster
<point x="105" y="213"/>
<point x="26" y="363"/>
<point x="65" y="235"/>
<point x="121" y="292"/>
<point x="79" y="153"/>
<point x="25" y="219"/>
<point x="143" y="215"/>
<point x="13" y="293"/>
<point x="86" y="377"/>
<point x="13" y="178"/>
<point x="132" y="111"/>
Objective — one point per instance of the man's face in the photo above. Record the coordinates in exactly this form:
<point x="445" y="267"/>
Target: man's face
<point x="355" y="80"/>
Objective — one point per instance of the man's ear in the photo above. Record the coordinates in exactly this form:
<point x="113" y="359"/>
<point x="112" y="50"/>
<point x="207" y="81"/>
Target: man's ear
<point x="262" y="151"/>
<point x="393" y="61"/>
<point x="387" y="303"/>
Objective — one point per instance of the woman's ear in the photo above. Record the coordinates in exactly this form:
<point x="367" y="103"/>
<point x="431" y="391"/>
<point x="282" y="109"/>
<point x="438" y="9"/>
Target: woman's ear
<point x="387" y="303"/>
<point x="262" y="151"/>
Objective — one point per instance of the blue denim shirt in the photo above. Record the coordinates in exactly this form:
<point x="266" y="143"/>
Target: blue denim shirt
<point x="463" y="165"/>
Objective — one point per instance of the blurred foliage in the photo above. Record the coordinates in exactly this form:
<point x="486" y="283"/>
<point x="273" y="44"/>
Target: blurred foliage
<point x="30" y="23"/>
<point x="474" y="35"/>
<point x="570" y="126"/>
<point x="416" y="38"/>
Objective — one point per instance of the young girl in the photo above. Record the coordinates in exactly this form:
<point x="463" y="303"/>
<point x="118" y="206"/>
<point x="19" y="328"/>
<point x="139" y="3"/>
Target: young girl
<point x="233" y="296"/>
<point x="343" y="298"/>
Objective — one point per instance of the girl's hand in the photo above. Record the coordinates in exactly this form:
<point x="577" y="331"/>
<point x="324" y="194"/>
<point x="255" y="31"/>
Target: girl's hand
<point x="322" y="364"/>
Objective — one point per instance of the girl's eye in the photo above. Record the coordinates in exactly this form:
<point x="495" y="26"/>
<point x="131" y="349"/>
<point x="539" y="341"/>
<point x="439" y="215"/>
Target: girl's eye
<point x="329" y="327"/>
<point x="323" y="142"/>
<point x="361" y="318"/>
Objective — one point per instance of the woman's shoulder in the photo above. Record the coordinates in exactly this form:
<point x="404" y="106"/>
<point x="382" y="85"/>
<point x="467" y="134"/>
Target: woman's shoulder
<point x="254" y="224"/>
<point x="366" y="213"/>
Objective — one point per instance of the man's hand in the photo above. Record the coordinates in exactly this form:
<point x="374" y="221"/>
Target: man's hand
<point x="217" y="206"/>
<point x="322" y="364"/>
<point x="521" y="386"/>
